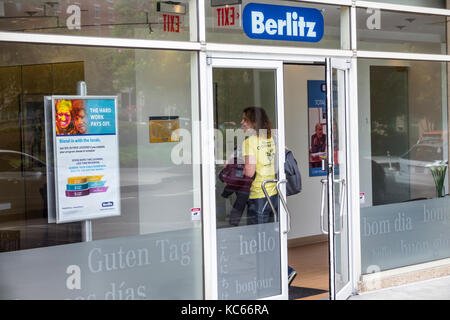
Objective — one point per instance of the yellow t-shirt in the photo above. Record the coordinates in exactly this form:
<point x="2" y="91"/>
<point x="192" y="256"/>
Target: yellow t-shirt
<point x="264" y="152"/>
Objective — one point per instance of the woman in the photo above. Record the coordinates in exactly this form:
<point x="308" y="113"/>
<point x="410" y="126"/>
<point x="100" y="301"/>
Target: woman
<point x="64" y="118"/>
<point x="79" y="116"/>
<point x="259" y="153"/>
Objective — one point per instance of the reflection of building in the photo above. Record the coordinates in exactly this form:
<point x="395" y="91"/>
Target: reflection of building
<point x="37" y="14"/>
<point x="96" y="18"/>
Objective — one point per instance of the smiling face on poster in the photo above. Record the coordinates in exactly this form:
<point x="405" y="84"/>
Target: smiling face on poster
<point x="86" y="156"/>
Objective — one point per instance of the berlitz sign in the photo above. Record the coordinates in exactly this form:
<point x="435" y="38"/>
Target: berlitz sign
<point x="272" y="22"/>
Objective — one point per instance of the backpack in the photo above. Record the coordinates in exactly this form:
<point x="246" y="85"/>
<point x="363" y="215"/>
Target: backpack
<point x="293" y="177"/>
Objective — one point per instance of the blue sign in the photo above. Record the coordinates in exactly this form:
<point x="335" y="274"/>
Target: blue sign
<point x="317" y="94"/>
<point x="272" y="22"/>
<point x="317" y="106"/>
<point x="101" y="116"/>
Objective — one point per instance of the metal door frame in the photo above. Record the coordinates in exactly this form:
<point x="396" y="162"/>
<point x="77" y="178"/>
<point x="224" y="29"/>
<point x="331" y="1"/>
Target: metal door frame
<point x="208" y="59"/>
<point x="209" y="203"/>
<point x="343" y="65"/>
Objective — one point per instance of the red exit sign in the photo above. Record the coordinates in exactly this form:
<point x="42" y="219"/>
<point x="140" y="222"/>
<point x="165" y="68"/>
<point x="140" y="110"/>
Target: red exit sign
<point x="171" y="23"/>
<point x="227" y="16"/>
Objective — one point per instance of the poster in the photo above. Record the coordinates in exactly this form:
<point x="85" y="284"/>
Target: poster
<point x="164" y="129"/>
<point x="86" y="157"/>
<point x="317" y="124"/>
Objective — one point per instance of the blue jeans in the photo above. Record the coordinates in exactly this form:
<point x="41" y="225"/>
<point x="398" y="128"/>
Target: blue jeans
<point x="259" y="210"/>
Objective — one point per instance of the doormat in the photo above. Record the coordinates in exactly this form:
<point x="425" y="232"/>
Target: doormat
<point x="302" y="292"/>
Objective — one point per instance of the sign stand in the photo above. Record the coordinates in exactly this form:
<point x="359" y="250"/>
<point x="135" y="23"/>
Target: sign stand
<point x="86" y="224"/>
<point x="104" y="162"/>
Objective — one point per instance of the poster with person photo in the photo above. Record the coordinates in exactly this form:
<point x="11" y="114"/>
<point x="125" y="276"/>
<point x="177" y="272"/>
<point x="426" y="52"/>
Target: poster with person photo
<point x="317" y="126"/>
<point x="86" y="157"/>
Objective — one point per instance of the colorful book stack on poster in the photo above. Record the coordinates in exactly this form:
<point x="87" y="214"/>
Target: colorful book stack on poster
<point x="77" y="187"/>
<point x="96" y="185"/>
<point x="83" y="186"/>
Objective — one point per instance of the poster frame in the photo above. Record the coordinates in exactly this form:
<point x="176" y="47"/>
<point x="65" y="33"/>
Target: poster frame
<point x="88" y="216"/>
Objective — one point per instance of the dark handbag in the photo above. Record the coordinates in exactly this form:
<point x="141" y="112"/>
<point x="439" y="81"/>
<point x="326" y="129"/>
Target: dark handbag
<point x="233" y="177"/>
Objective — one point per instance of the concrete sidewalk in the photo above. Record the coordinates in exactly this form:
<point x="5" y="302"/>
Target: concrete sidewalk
<point x="433" y="289"/>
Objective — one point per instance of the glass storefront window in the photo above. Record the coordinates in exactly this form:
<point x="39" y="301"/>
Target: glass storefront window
<point x="403" y="135"/>
<point x="153" y="250"/>
<point x="224" y="23"/>
<point x="419" y="3"/>
<point x="141" y="19"/>
<point x="381" y="30"/>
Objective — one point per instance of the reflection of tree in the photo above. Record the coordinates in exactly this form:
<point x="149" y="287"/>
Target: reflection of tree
<point x="9" y="93"/>
<point x="123" y="67"/>
<point x="406" y="102"/>
<point x="426" y="103"/>
<point x="163" y="76"/>
<point x="131" y="11"/>
<point x="389" y="110"/>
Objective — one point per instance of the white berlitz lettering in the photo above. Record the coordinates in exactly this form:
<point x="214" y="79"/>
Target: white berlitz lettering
<point x="311" y="26"/>
<point x="257" y="22"/>
<point x="294" y="25"/>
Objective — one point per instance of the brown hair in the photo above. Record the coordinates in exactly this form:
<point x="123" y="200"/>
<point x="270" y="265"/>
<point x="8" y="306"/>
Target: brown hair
<point x="258" y="117"/>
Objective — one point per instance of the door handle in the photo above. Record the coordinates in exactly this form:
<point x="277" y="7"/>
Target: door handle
<point x="263" y="187"/>
<point x="282" y="199"/>
<point x="325" y="165"/>
<point x="342" y="189"/>
<point x="322" y="205"/>
<point x="283" y="202"/>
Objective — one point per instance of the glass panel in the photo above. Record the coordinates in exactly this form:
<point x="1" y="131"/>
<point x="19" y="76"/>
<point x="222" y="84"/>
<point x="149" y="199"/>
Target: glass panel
<point x="248" y="239"/>
<point x="340" y="178"/>
<point x="143" y="19"/>
<point x="403" y="139"/>
<point x="224" y="23"/>
<point x="381" y="30"/>
<point x="153" y="250"/>
<point x="419" y="3"/>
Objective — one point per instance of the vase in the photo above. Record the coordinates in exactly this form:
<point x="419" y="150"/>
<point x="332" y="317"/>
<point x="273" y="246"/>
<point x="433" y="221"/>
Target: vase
<point x="440" y="191"/>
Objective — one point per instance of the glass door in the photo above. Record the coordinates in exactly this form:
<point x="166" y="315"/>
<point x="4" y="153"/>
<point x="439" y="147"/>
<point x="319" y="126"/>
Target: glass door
<point x="245" y="123"/>
<point x="337" y="179"/>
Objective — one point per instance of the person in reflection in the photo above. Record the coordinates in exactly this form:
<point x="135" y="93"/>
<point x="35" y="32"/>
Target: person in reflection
<point x="259" y="155"/>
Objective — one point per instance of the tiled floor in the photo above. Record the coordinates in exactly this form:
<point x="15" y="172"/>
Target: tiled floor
<point x="311" y="264"/>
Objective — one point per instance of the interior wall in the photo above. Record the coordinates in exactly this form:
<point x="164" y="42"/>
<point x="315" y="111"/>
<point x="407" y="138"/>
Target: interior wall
<point x="304" y="207"/>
